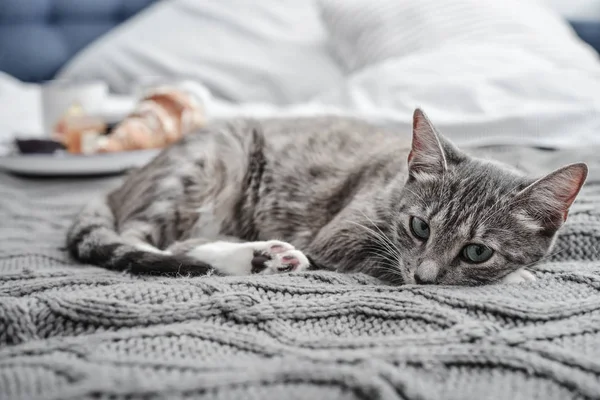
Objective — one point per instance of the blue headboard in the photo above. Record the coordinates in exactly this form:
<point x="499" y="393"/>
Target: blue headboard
<point x="38" y="36"/>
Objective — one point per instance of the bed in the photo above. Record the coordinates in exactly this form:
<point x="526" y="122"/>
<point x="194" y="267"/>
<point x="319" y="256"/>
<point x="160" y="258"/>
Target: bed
<point x="75" y="331"/>
<point x="71" y="331"/>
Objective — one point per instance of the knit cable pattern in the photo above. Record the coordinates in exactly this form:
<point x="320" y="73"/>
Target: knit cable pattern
<point x="69" y="331"/>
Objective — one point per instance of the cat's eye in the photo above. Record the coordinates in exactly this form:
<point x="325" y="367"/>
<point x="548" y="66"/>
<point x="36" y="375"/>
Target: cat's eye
<point x="419" y="228"/>
<point x="477" y="253"/>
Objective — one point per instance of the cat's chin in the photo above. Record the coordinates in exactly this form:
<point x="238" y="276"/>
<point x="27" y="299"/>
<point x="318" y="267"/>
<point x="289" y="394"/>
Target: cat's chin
<point x="518" y="276"/>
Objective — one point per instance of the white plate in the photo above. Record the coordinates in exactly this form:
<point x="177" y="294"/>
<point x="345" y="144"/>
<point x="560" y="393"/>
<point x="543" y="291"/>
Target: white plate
<point x="65" y="164"/>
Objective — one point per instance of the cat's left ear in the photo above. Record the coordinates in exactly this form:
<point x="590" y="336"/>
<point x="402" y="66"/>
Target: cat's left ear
<point x="430" y="153"/>
<point x="548" y="199"/>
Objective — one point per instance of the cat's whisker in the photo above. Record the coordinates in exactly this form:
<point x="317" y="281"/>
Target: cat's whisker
<point x="546" y="257"/>
<point x="380" y="241"/>
<point x="390" y="272"/>
<point x="397" y="277"/>
<point x="376" y="250"/>
<point x="382" y="266"/>
<point x="380" y="237"/>
<point x="388" y="240"/>
<point x="378" y="246"/>
<point x="382" y="261"/>
<point x="388" y="244"/>
<point x="383" y="256"/>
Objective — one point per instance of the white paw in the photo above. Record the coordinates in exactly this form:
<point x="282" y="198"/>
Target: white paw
<point x="518" y="276"/>
<point x="266" y="258"/>
<point x="275" y="257"/>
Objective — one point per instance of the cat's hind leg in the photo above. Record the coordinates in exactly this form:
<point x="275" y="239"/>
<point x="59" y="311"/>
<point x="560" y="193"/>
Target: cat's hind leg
<point x="139" y="235"/>
<point x="231" y="257"/>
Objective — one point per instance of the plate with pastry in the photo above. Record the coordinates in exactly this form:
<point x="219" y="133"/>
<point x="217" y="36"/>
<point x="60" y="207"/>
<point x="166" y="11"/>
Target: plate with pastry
<point x="83" y="145"/>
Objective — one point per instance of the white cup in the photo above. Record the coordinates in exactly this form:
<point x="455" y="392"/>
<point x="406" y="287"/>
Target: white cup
<point x="58" y="96"/>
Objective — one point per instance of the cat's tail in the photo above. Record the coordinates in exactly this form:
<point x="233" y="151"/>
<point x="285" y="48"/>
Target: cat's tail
<point x="93" y="239"/>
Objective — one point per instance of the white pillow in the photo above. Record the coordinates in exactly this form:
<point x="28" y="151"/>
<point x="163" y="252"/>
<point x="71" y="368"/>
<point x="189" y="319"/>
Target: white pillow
<point x="365" y="32"/>
<point x="269" y="51"/>
<point x="486" y="71"/>
<point x="480" y="95"/>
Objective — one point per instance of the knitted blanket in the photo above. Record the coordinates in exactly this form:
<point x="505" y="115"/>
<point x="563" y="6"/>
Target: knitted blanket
<point x="71" y="331"/>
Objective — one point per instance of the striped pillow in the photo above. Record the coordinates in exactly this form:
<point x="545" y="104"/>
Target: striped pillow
<point x="365" y="32"/>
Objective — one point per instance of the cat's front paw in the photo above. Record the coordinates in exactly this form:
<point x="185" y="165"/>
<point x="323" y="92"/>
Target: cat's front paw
<point x="518" y="276"/>
<point x="275" y="257"/>
<point x="266" y="258"/>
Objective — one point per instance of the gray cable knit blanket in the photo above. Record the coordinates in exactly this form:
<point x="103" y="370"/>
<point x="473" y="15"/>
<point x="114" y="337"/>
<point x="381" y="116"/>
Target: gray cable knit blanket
<point x="69" y="331"/>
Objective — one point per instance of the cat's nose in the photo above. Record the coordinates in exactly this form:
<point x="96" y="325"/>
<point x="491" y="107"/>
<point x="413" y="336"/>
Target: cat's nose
<point x="426" y="273"/>
<point x="421" y="280"/>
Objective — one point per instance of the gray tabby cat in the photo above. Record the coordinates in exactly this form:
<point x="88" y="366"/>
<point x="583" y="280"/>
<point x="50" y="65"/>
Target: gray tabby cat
<point x="265" y="197"/>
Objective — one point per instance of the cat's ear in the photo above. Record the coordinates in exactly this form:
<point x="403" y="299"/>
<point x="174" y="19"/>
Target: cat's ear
<point x="430" y="152"/>
<point x="548" y="199"/>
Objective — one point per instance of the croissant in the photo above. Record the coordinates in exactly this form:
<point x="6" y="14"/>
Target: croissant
<point x="161" y="118"/>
